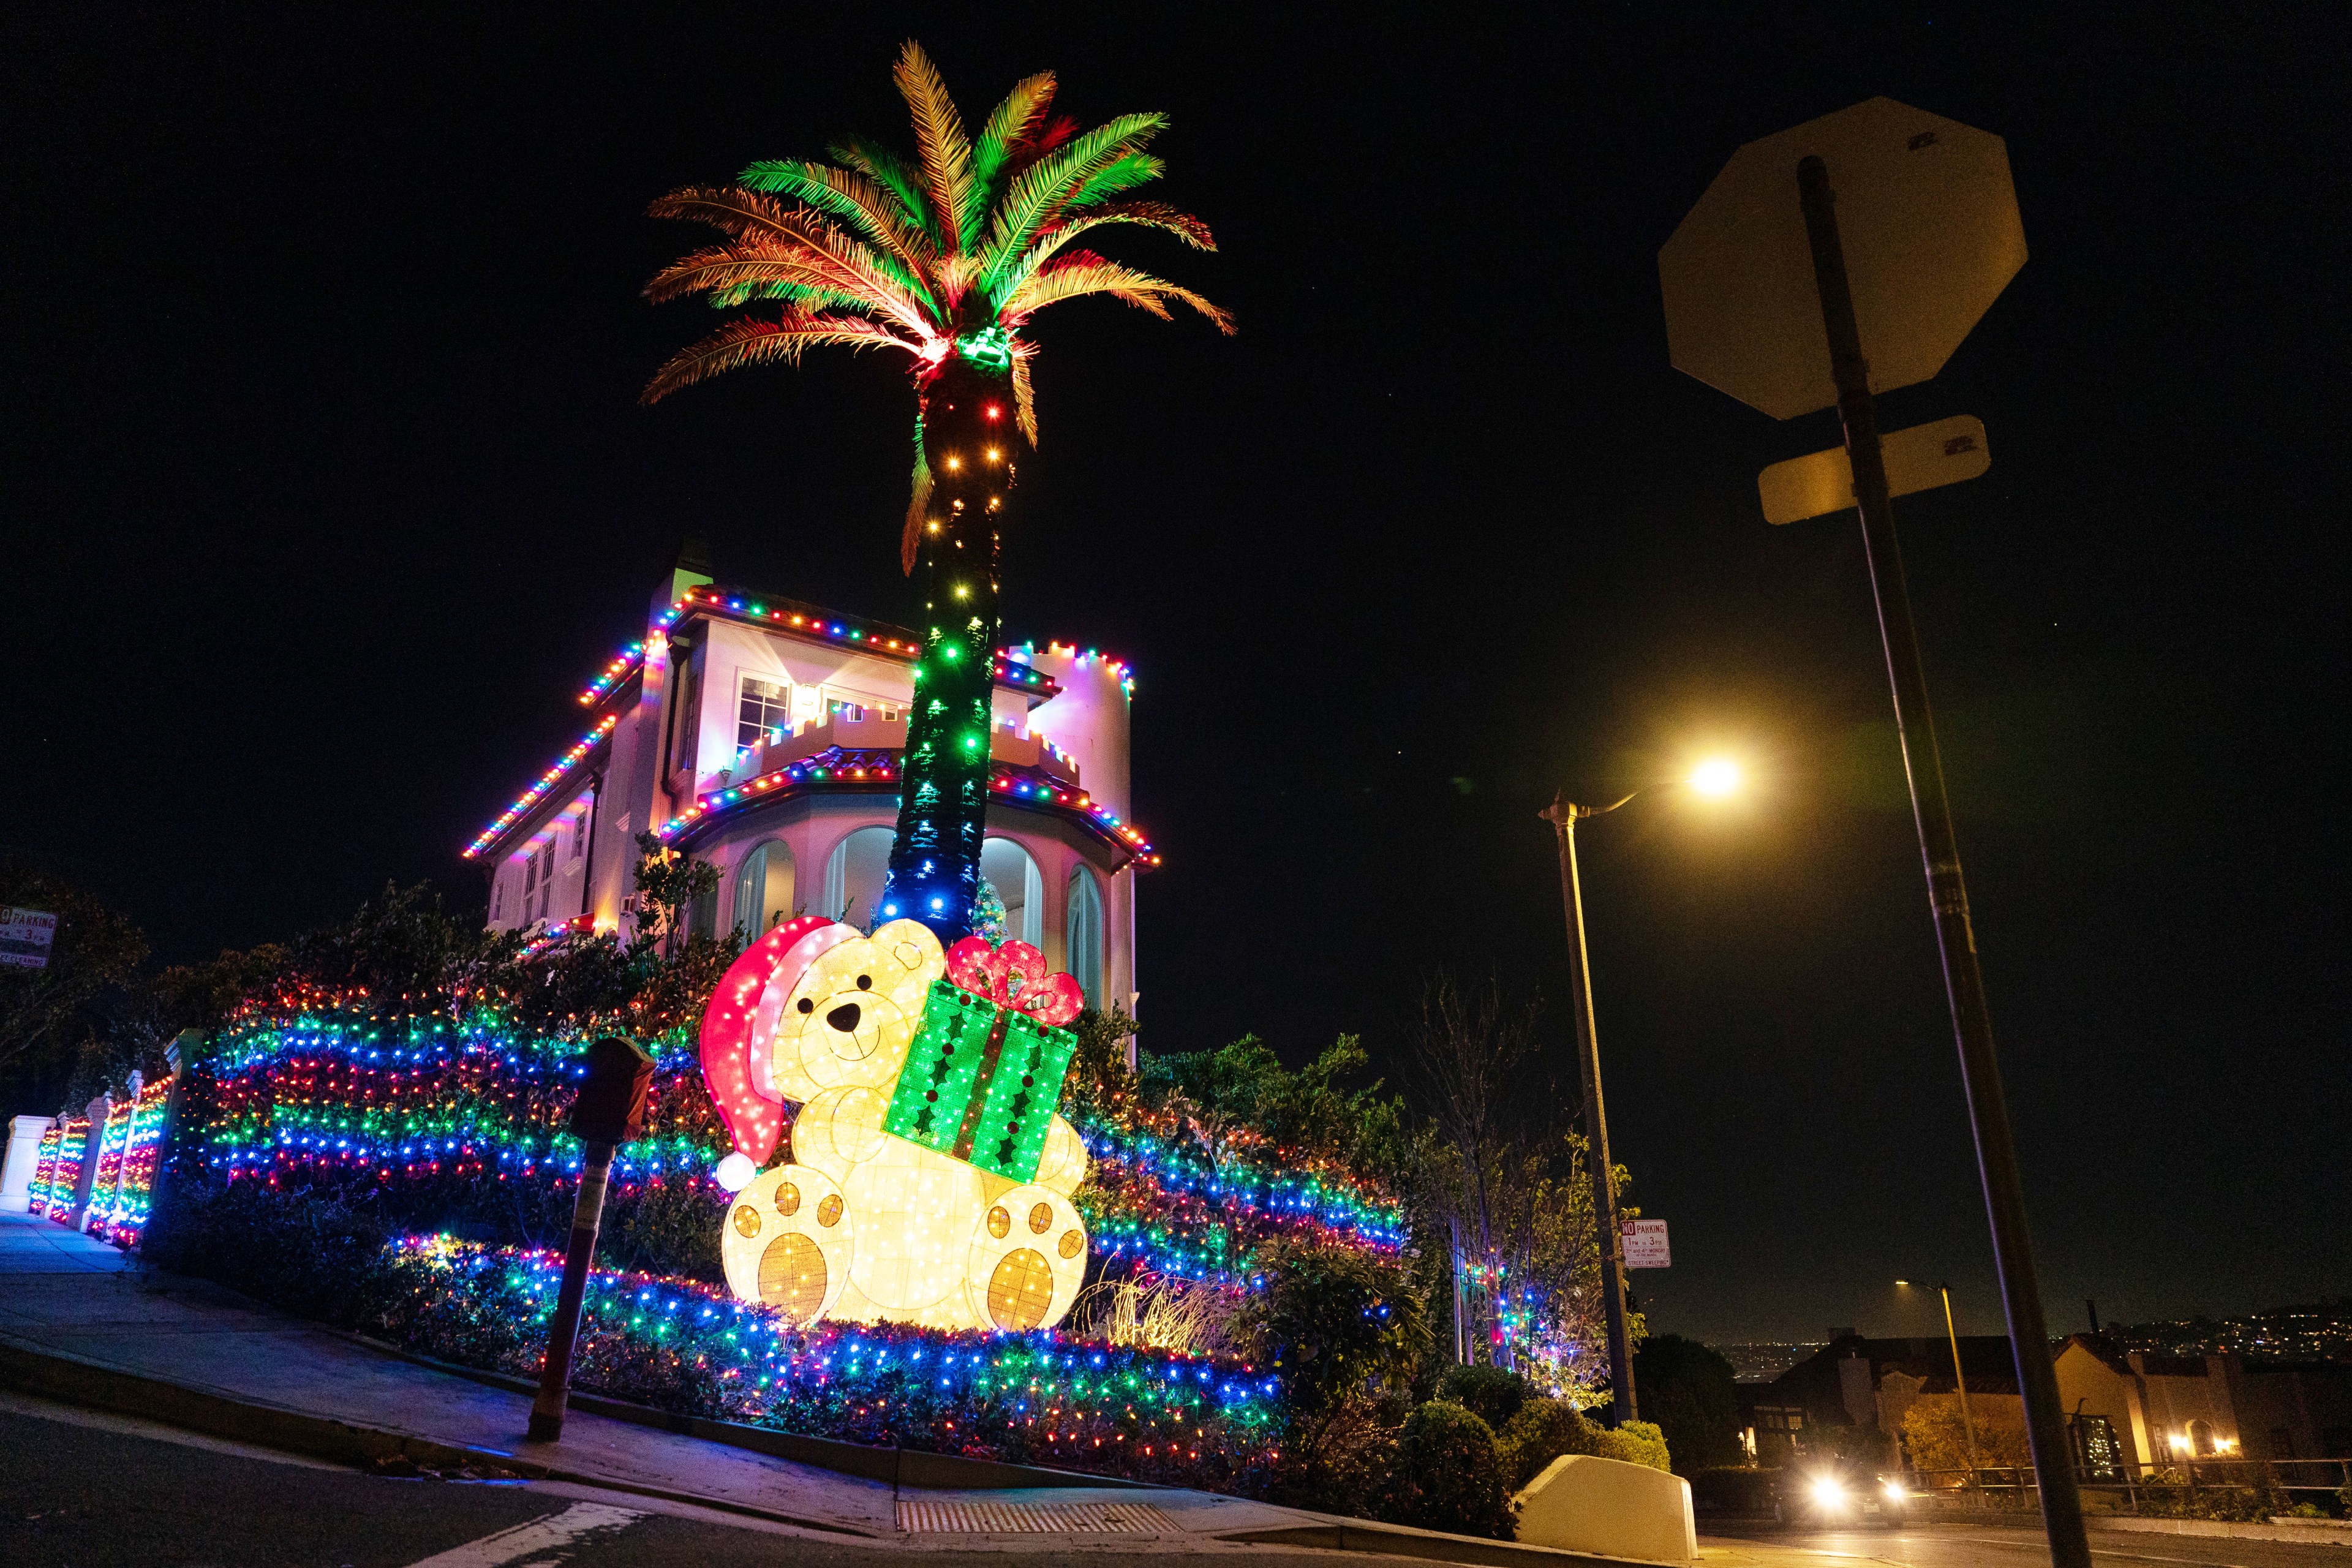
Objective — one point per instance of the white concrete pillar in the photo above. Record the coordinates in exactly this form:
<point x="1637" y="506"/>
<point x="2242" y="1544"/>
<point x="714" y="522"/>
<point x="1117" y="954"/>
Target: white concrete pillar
<point x="24" y="1158"/>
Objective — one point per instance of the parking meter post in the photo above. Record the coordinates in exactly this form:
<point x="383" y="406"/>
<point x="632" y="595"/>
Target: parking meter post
<point x="563" y="1333"/>
<point x="609" y="1111"/>
<point x="2061" y="1505"/>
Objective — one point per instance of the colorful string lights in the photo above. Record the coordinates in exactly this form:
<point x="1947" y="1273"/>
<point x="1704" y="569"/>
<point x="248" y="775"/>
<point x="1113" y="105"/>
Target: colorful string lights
<point x="840" y="767"/>
<point x="546" y="782"/>
<point x="1038" y="1396"/>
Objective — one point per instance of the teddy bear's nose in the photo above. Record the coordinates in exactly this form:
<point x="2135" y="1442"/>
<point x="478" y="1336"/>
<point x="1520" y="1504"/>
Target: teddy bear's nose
<point x="844" y="1017"/>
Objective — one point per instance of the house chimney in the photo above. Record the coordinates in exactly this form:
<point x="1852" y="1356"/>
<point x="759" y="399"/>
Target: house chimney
<point x="2094" y="1307"/>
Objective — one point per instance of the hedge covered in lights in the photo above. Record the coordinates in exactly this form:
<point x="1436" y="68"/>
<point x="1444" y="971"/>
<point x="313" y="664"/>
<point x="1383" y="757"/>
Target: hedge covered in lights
<point x="421" y="1125"/>
<point x="1041" y="1397"/>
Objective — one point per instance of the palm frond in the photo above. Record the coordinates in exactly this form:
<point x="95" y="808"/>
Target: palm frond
<point x="1082" y="272"/>
<point x="940" y="142"/>
<point x="753" y="341"/>
<point x="1037" y="194"/>
<point x="774" y="231"/>
<point x="892" y="173"/>
<point x="1145" y="215"/>
<point x="1025" y="400"/>
<point x="865" y="203"/>
<point x="749" y="270"/>
<point x="1120" y="174"/>
<point x="910" y="537"/>
<point x="1005" y="136"/>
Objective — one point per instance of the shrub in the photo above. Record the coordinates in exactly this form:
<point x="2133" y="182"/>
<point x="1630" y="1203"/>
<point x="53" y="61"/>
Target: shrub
<point x="1638" y="1443"/>
<point x="1447" y="1475"/>
<point x="1541" y="1432"/>
<point x="1490" y="1393"/>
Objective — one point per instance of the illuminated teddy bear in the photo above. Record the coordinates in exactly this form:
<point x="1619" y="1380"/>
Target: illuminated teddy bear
<point x="929" y="1179"/>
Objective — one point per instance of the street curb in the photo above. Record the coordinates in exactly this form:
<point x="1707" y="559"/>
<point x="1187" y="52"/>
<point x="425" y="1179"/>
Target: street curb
<point x="1391" y="1540"/>
<point x="917" y="1467"/>
<point x="74" y="1380"/>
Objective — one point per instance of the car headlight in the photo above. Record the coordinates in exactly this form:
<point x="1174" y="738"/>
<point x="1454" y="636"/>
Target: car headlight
<point x="1896" y="1491"/>
<point x="1829" y="1491"/>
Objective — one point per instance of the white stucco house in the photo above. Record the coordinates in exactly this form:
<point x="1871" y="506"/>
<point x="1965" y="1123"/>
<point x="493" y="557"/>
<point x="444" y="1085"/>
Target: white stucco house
<point x="764" y="735"/>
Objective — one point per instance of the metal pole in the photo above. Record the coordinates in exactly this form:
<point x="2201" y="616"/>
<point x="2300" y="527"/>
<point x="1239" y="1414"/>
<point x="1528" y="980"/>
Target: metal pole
<point x="2037" y="1377"/>
<point x="1562" y="815"/>
<point x="1961" y="1381"/>
<point x="587" y="1214"/>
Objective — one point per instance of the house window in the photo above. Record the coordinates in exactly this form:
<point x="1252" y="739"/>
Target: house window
<point x="855" y="706"/>
<point x="1009" y="870"/>
<point x="763" y="888"/>
<point x="687" y="716"/>
<point x="1085" y="934"/>
<point x="764" y="708"/>
<point x="580" y="832"/>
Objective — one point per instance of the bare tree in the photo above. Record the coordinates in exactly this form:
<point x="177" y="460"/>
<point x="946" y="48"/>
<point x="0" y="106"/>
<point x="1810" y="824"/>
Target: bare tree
<point x="1470" y="1051"/>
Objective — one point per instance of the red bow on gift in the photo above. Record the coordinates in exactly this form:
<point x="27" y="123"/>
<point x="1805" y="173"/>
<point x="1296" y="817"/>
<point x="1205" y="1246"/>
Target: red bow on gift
<point x="1014" y="976"/>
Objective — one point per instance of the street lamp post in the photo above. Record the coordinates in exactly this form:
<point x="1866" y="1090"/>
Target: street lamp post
<point x="1563" y="816"/>
<point x="1959" y="1379"/>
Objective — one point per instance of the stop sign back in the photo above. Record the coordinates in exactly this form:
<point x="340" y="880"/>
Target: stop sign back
<point x="1931" y="232"/>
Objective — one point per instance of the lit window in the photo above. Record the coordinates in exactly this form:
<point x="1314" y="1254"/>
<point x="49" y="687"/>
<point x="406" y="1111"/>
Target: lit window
<point x="766" y="706"/>
<point x="1086" y="936"/>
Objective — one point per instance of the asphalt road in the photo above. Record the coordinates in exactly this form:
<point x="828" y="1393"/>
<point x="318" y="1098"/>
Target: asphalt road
<point x="83" y="1489"/>
<point x="1980" y="1546"/>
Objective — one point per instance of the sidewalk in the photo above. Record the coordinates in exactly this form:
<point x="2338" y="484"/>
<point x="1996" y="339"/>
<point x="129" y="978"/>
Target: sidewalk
<point x="79" y="1325"/>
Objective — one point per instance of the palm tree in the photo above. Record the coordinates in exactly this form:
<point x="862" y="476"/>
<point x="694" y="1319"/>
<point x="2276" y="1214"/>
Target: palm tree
<point x="945" y="259"/>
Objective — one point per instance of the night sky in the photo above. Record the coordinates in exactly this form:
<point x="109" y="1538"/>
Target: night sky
<point x="325" y="487"/>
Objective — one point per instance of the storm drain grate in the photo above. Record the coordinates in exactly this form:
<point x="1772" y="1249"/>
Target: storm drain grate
<point x="1034" y="1517"/>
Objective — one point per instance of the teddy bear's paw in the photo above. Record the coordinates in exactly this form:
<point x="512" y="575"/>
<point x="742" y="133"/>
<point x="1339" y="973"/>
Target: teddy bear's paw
<point x="1028" y="1259"/>
<point x="1063" y="1166"/>
<point x="788" y="1241"/>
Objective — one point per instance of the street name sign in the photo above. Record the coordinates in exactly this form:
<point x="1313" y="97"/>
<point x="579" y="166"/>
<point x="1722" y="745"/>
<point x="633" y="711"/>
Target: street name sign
<point x="1929" y="222"/>
<point x="1645" y="1243"/>
<point x="26" y="938"/>
<point x="1919" y="458"/>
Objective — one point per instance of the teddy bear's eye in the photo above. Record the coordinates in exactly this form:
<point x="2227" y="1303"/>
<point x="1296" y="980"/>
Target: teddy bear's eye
<point x="866" y="982"/>
<point x="807" y="1005"/>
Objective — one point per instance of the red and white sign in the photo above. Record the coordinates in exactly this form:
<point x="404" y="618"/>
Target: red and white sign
<point x="1645" y="1243"/>
<point x="25" y="936"/>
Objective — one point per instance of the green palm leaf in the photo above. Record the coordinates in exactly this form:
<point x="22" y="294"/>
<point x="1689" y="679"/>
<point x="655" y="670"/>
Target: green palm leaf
<point x="1144" y="214"/>
<point x="867" y="205"/>
<point x="1006" y="130"/>
<point x="1038" y="193"/>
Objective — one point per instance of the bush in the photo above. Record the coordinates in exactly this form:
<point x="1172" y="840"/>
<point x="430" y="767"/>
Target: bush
<point x="1541" y="1432"/>
<point x="1638" y="1443"/>
<point x="1544" y="1429"/>
<point x="1448" y="1477"/>
<point x="1489" y="1393"/>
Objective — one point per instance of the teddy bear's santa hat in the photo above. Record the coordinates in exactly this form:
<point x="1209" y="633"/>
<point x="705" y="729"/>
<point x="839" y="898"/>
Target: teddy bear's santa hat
<point x="734" y="1054"/>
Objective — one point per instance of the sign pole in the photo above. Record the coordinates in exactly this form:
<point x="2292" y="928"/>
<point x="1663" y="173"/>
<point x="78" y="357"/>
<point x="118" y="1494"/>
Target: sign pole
<point x="609" y="1111"/>
<point x="563" y="1333"/>
<point x="1562" y="815"/>
<point x="2062" y="1506"/>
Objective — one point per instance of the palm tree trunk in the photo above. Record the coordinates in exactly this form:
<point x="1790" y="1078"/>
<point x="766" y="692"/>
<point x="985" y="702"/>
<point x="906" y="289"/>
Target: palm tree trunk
<point x="969" y="440"/>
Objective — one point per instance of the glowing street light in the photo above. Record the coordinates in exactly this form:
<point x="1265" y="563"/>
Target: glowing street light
<point x="1717" y="776"/>
<point x="1712" y="778"/>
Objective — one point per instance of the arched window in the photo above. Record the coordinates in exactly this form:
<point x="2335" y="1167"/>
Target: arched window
<point x="854" y="877"/>
<point x="763" y="888"/>
<point x="1085" y="933"/>
<point x="1016" y="876"/>
<point x="2200" y="1438"/>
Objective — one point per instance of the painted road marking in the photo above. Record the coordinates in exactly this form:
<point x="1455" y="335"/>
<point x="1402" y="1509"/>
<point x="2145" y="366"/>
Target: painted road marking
<point x="554" y="1533"/>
